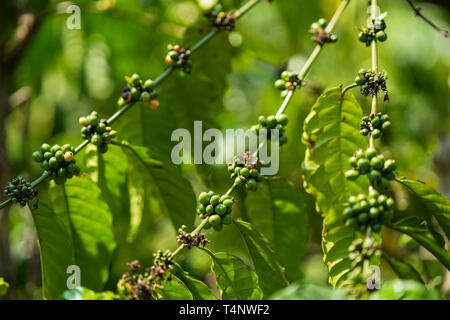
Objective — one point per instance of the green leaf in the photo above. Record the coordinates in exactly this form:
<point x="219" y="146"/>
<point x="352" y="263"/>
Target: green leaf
<point x="4" y="286"/>
<point x="331" y="134"/>
<point x="174" y="289"/>
<point x="82" y="293"/>
<point x="198" y="289"/>
<point x="403" y="269"/>
<point x="194" y="97"/>
<point x="137" y="193"/>
<point x="271" y="274"/>
<point x="418" y="229"/>
<point x="199" y="95"/>
<point x="437" y="204"/>
<point x="173" y="189"/>
<point x="309" y="291"/>
<point x="276" y="209"/>
<point x="89" y="223"/>
<point x="336" y="238"/>
<point x="110" y="173"/>
<point x="235" y="280"/>
<point x="404" y="290"/>
<point x="56" y="250"/>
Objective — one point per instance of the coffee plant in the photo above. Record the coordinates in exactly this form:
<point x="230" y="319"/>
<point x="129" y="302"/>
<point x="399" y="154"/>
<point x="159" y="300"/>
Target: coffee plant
<point x="91" y="201"/>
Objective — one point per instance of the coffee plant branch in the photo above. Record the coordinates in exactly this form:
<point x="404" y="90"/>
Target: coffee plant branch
<point x="374" y="67"/>
<point x="238" y="14"/>
<point x="303" y="73"/>
<point x="428" y="21"/>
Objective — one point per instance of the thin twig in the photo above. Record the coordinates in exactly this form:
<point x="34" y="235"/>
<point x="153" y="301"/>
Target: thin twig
<point x="420" y="15"/>
<point x="375" y="69"/>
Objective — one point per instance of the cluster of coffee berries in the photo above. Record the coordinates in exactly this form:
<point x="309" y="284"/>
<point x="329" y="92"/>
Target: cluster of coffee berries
<point x="378" y="170"/>
<point x="162" y="264"/>
<point x="362" y="250"/>
<point x="362" y="212"/>
<point x="97" y="130"/>
<point x="319" y="34"/>
<point x="136" y="286"/>
<point x="375" y="124"/>
<point x="220" y="19"/>
<point x="288" y="81"/>
<point x="191" y="239"/>
<point x="371" y="82"/>
<point x="216" y="209"/>
<point x="179" y="57"/>
<point x="20" y="191"/>
<point x="245" y="170"/>
<point x="58" y="161"/>
<point x="272" y="122"/>
<point x="375" y="31"/>
<point x="139" y="90"/>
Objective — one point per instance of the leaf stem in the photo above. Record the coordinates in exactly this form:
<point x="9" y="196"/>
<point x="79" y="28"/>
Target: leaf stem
<point x="5" y="203"/>
<point x="312" y="58"/>
<point x="204" y="40"/>
<point x="374" y="67"/>
<point x="245" y="8"/>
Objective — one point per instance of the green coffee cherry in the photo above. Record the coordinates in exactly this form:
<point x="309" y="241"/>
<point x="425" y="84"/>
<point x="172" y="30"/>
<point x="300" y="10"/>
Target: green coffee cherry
<point x="138" y="90"/>
<point x="373" y="32"/>
<point x="97" y="130"/>
<point x="363" y="211"/>
<point x="214" y="200"/>
<point x="215" y="220"/>
<point x="371" y="82"/>
<point x="390" y="166"/>
<point x="245" y="170"/>
<point x="272" y="123"/>
<point x="204" y="198"/>
<point x="381" y="36"/>
<point x="374" y="165"/>
<point x="363" y="165"/>
<point x="58" y="161"/>
<point x="351" y="174"/>
<point x="375" y="124"/>
<point x="288" y="81"/>
<point x="210" y="209"/>
<point x="178" y="57"/>
<point x="215" y="207"/>
<point x="20" y="191"/>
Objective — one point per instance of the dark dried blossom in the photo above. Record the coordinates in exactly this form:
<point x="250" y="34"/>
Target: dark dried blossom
<point x="191" y="239"/>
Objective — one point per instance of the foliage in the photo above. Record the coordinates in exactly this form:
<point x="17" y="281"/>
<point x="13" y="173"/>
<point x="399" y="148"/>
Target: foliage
<point x="124" y="198"/>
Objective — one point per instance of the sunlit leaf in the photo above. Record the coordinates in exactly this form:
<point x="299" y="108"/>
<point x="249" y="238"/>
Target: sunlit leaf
<point x="198" y="289"/>
<point x="331" y="133"/>
<point x="418" y="229"/>
<point x="276" y="209"/>
<point x="437" y="204"/>
<point x="235" y="280"/>
<point x="404" y="290"/>
<point x="88" y="221"/>
<point x="173" y="189"/>
<point x="267" y="264"/>
<point x="403" y="269"/>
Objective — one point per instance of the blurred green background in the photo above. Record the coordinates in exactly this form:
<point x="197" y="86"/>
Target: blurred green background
<point x="64" y="74"/>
